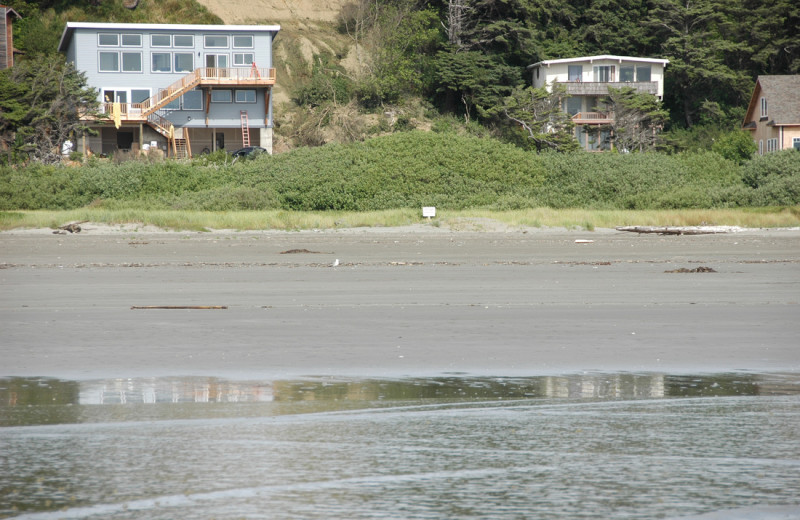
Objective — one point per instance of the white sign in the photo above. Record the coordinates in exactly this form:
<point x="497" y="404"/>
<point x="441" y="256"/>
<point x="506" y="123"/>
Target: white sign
<point x="428" y="211"/>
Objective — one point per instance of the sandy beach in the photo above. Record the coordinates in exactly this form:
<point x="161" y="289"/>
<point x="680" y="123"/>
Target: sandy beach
<point x="401" y="302"/>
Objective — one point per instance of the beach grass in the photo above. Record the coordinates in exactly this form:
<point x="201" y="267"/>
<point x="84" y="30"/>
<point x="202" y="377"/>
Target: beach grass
<point x="181" y="220"/>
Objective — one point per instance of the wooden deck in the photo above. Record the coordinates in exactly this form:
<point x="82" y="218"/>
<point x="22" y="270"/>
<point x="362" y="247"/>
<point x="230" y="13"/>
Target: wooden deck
<point x="202" y="77"/>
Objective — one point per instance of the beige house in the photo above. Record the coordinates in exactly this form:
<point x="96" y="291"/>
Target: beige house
<point x="587" y="79"/>
<point x="773" y="116"/>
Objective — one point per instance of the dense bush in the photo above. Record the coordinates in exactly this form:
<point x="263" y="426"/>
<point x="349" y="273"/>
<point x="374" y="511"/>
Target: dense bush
<point x="413" y="169"/>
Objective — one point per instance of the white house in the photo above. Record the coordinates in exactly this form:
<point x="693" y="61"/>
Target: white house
<point x="587" y="79"/>
<point x="180" y="88"/>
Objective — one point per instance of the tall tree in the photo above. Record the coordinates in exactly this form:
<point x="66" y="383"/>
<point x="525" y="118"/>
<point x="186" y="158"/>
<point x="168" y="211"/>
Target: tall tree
<point x="538" y="113"/>
<point x="41" y="105"/>
<point x="692" y="39"/>
<point x="638" y="118"/>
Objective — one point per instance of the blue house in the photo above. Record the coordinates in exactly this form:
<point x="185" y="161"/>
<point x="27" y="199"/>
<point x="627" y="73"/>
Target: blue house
<point x="174" y="87"/>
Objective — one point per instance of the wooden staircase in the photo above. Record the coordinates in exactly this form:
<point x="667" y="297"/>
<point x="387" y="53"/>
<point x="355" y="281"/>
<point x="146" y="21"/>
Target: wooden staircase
<point x="245" y="129"/>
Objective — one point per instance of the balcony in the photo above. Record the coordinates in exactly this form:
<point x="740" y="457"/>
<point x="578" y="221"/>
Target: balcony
<point x="593" y="118"/>
<point x="599" y="88"/>
<point x="202" y="77"/>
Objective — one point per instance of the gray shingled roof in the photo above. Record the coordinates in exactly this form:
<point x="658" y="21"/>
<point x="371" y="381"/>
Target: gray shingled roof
<point x="783" y="95"/>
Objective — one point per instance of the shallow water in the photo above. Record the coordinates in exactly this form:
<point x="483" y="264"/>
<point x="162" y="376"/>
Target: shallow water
<point x="574" y="446"/>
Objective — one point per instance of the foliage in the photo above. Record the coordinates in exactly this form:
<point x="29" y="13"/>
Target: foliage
<point x="638" y="118"/>
<point x="328" y="83"/>
<point x="539" y="114"/>
<point x="737" y="146"/>
<point x="410" y="170"/>
<point x="41" y="104"/>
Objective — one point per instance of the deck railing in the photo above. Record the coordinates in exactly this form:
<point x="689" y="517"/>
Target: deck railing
<point x="600" y="88"/>
<point x="593" y="117"/>
<point x="251" y="76"/>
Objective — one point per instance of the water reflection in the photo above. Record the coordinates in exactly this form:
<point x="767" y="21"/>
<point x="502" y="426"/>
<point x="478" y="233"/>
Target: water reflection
<point x="578" y="446"/>
<point x="53" y="401"/>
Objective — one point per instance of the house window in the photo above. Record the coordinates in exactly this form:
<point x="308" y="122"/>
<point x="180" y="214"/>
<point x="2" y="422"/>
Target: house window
<point x="131" y="62"/>
<point x="626" y="73"/>
<point x="575" y="72"/>
<point x="193" y="100"/>
<point x="139" y="95"/>
<point x="221" y="96"/>
<point x="109" y="62"/>
<point x="107" y="40"/>
<point x="763" y="107"/>
<point x="160" y="40"/>
<point x="573" y="105"/>
<point x="761" y="147"/>
<point x="131" y="40"/>
<point x="245" y="96"/>
<point x="161" y="61"/>
<point x="643" y="73"/>
<point x="242" y="59"/>
<point x="772" y="145"/>
<point x="216" y="41"/>
<point x="184" y="62"/>
<point x="183" y="40"/>
<point x="217" y="61"/>
<point x="604" y="73"/>
<point x="796" y="143"/>
<point x="243" y="42"/>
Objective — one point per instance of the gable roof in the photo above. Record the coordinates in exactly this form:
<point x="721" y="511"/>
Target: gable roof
<point x="9" y="11"/>
<point x="600" y="57"/>
<point x="783" y="98"/>
<point x="70" y="28"/>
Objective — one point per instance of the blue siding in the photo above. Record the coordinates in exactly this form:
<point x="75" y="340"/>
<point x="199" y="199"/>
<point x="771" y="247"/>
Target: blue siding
<point x="83" y="49"/>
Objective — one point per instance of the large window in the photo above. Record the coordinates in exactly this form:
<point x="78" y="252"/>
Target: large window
<point x="796" y="143"/>
<point x="242" y="59"/>
<point x="183" y="40"/>
<point x="643" y="73"/>
<point x="221" y="96"/>
<point x="139" y="95"/>
<point x="161" y="62"/>
<point x="217" y="61"/>
<point x="107" y="40"/>
<point x="574" y="105"/>
<point x="160" y="40"/>
<point x="193" y="100"/>
<point x="109" y="62"/>
<point x="216" y="41"/>
<point x="243" y="42"/>
<point x="131" y="62"/>
<point x="575" y="72"/>
<point x="245" y="96"/>
<point x="626" y="73"/>
<point x="184" y="62"/>
<point x="131" y="40"/>
<point x="604" y="73"/>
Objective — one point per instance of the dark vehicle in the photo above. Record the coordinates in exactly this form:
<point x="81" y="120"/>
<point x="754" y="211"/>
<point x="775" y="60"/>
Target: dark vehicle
<point x="249" y="151"/>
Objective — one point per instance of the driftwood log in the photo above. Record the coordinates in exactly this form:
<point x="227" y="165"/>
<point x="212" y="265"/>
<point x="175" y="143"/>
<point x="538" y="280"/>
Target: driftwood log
<point x="671" y="230"/>
<point x="73" y="227"/>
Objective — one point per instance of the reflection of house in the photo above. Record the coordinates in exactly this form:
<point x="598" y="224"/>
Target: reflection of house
<point x="7" y="16"/>
<point x="773" y="116"/>
<point x="587" y="80"/>
<point x="182" y="87"/>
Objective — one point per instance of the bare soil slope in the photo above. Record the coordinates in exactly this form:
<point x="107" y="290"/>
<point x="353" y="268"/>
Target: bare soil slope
<point x="274" y="11"/>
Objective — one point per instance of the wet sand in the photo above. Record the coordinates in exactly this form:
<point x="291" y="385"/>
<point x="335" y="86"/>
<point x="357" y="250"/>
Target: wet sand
<point x="402" y="302"/>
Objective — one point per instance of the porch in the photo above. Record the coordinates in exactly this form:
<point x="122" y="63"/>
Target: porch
<point x="600" y="88"/>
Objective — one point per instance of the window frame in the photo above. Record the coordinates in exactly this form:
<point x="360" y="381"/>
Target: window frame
<point x="122" y="62"/>
<point x="252" y="41"/>
<point x="178" y="46"/>
<point x="100" y="61"/>
<point x="640" y="68"/>
<point x="764" y="107"/>
<point x="169" y="63"/>
<point x="207" y="46"/>
<point x="122" y="40"/>
<point x="221" y="91"/>
<point x="244" y="54"/>
<point x="157" y="46"/>
<point x="175" y="62"/>
<point x="100" y="37"/>
<point x="245" y="91"/>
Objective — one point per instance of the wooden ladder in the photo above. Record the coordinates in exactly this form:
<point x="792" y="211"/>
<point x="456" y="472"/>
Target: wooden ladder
<point x="245" y="129"/>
